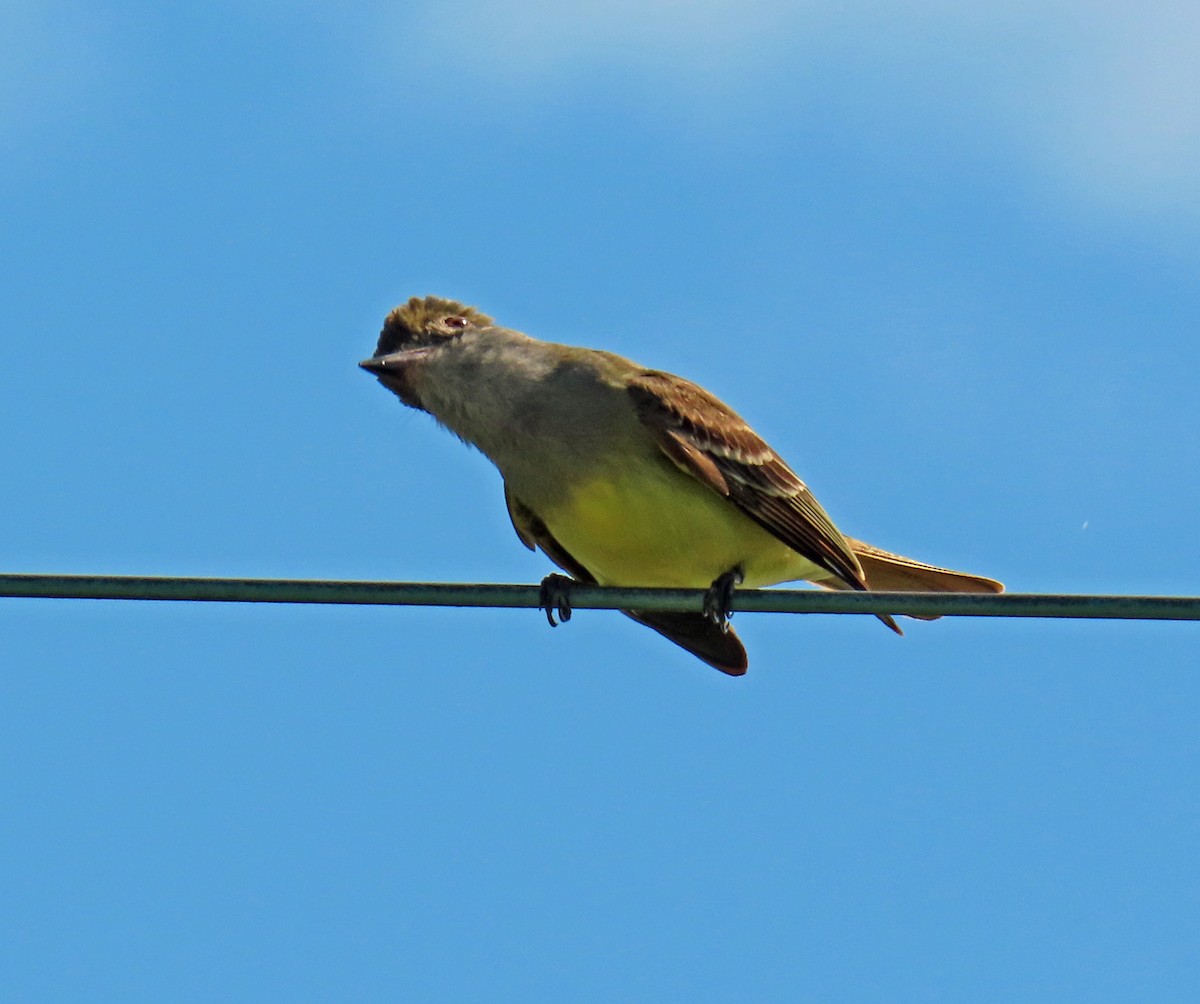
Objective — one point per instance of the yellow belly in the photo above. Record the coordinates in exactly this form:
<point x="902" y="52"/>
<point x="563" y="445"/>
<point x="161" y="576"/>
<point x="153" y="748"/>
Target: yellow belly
<point x="660" y="527"/>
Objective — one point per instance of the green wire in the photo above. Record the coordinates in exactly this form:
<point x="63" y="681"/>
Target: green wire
<point x="219" y="590"/>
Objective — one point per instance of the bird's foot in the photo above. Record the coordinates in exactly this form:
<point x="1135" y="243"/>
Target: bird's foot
<point x="555" y="596"/>
<point x="719" y="597"/>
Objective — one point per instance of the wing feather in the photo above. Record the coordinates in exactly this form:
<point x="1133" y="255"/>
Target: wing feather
<point x="710" y="441"/>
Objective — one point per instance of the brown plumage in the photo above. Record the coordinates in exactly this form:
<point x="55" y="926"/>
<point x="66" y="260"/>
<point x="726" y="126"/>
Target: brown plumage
<point x="614" y="471"/>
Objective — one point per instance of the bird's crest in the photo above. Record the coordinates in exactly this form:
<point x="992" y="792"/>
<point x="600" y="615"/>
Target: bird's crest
<point x="410" y="322"/>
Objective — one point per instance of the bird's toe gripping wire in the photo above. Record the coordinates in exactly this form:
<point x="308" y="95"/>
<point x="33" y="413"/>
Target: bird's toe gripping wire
<point x="719" y="597"/>
<point x="555" y="596"/>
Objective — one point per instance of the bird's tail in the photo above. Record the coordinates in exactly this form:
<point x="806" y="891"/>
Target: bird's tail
<point x="886" y="572"/>
<point x="719" y="647"/>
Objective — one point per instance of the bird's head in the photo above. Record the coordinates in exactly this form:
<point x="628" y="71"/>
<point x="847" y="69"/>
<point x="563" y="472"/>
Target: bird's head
<point x="412" y="333"/>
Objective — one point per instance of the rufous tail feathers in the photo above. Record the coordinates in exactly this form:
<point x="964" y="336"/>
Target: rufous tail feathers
<point x="886" y="573"/>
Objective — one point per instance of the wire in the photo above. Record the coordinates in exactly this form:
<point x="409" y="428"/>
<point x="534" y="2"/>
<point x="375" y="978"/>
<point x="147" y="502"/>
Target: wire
<point x="796" y="601"/>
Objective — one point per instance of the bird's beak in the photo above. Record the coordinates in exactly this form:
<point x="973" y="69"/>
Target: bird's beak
<point x="395" y="372"/>
<point x="396" y="362"/>
<point x="382" y="366"/>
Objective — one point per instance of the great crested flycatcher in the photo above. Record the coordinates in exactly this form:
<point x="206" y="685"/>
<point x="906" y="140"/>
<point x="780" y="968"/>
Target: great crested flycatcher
<point x="627" y="476"/>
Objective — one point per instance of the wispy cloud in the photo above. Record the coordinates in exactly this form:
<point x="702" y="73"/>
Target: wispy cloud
<point x="1127" y="96"/>
<point x="532" y="41"/>
<point x="1103" y="99"/>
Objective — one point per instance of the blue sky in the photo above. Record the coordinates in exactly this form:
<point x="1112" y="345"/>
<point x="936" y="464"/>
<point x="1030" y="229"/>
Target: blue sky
<point x="944" y="260"/>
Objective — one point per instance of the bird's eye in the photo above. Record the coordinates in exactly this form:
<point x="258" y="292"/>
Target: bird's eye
<point x="455" y="321"/>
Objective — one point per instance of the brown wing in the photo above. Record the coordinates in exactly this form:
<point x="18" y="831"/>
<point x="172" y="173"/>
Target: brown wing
<point x="721" y="649"/>
<point x="534" y="534"/>
<point x="708" y="440"/>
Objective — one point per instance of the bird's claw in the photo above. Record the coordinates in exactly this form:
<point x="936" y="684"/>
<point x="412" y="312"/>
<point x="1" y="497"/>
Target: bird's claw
<point x="555" y="596"/>
<point x="719" y="597"/>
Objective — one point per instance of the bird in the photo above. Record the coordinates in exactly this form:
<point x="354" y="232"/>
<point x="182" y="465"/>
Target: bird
<point x="628" y="476"/>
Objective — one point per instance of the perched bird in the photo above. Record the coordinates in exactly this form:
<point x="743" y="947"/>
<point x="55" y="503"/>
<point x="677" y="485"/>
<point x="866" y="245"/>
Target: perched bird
<point x="627" y="476"/>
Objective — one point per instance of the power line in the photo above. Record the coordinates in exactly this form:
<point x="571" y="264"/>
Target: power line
<point x="445" y="594"/>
